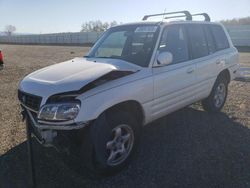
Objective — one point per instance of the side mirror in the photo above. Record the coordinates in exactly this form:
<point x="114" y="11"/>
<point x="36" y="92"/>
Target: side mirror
<point x="164" y="58"/>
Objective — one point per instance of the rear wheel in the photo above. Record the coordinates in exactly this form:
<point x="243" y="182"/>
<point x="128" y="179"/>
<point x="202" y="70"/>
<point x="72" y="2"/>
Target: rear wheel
<point x="216" y="100"/>
<point x="110" y="144"/>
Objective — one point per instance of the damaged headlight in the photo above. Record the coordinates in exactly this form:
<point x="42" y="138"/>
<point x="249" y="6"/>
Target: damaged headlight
<point x="59" y="112"/>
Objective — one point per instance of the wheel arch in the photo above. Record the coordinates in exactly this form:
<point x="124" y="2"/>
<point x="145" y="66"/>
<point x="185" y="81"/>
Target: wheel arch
<point x="225" y="74"/>
<point x="131" y="106"/>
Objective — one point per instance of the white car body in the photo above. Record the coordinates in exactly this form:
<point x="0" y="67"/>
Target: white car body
<point x="134" y="74"/>
<point x="158" y="90"/>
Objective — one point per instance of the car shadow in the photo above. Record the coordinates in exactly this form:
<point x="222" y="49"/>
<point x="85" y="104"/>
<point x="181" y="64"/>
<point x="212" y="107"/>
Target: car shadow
<point x="188" y="148"/>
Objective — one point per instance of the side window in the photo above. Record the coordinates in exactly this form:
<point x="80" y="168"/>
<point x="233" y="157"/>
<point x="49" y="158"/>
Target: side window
<point x="174" y="40"/>
<point x="197" y="40"/>
<point x="210" y="40"/>
<point x="220" y="37"/>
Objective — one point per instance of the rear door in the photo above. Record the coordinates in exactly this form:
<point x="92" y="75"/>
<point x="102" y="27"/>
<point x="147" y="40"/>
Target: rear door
<point x="203" y="48"/>
<point x="209" y="55"/>
<point x="223" y="50"/>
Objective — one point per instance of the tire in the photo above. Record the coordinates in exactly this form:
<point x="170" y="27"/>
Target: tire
<point x="217" y="98"/>
<point x="111" y="132"/>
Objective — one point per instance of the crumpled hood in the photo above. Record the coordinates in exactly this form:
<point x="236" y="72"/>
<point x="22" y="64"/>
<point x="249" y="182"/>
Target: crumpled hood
<point x="71" y="75"/>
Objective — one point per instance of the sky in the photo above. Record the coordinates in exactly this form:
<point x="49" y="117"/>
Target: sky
<point x="51" y="16"/>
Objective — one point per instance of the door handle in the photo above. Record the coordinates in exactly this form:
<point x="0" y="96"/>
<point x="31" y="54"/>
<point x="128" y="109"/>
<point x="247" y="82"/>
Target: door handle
<point x="190" y="70"/>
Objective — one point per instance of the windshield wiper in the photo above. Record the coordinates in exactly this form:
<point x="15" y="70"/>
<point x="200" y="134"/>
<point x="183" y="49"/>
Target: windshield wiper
<point x="87" y="56"/>
<point x="102" y="57"/>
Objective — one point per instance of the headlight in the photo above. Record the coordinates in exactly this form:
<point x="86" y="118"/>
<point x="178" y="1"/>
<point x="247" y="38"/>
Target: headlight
<point x="59" y="112"/>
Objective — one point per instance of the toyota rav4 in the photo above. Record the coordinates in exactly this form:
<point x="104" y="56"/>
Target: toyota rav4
<point x="134" y="74"/>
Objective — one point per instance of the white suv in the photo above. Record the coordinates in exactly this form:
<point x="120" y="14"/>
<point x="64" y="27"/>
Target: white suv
<point x="133" y="75"/>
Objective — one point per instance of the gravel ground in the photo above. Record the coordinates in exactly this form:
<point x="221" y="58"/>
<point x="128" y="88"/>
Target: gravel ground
<point x="188" y="148"/>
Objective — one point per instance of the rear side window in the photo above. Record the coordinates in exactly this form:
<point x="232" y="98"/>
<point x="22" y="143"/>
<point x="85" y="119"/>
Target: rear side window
<point x="174" y="40"/>
<point x="210" y="40"/>
<point x="197" y="40"/>
<point x="220" y="37"/>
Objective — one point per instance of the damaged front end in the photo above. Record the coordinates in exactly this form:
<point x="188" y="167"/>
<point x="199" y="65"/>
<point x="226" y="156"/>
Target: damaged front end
<point x="61" y="137"/>
<point x="59" y="134"/>
<point x="54" y="121"/>
<point x="53" y="124"/>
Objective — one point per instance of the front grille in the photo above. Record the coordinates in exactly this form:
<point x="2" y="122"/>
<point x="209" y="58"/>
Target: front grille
<point x="31" y="101"/>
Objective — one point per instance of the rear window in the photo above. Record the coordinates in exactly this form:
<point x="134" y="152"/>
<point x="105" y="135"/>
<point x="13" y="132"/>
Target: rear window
<point x="198" y="41"/>
<point x="219" y="37"/>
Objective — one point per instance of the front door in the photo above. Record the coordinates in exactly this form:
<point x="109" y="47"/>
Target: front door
<point x="174" y="83"/>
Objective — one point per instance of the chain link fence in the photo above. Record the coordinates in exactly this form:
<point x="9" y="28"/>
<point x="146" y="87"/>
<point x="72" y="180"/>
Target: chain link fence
<point x="240" y="35"/>
<point x="79" y="38"/>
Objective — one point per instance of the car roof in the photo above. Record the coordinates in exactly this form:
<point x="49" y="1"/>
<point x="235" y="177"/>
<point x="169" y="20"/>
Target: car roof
<point x="168" y="23"/>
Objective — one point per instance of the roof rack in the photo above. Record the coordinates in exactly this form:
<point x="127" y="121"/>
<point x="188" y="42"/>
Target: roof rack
<point x="206" y="16"/>
<point x="186" y="14"/>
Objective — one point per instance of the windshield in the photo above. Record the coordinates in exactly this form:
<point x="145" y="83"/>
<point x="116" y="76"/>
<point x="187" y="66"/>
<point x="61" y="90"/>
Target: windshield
<point x="133" y="43"/>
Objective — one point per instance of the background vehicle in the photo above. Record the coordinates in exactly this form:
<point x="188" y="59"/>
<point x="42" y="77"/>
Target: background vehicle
<point x="1" y="59"/>
<point x="134" y="74"/>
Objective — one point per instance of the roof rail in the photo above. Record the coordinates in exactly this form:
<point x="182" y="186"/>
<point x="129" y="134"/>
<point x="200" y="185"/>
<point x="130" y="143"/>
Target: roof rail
<point x="186" y="14"/>
<point x="206" y="16"/>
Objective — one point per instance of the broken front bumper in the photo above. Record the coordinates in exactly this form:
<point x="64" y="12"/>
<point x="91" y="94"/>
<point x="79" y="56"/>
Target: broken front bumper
<point x="60" y="136"/>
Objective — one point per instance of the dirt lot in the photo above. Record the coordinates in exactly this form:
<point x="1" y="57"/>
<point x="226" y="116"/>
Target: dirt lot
<point x="188" y="148"/>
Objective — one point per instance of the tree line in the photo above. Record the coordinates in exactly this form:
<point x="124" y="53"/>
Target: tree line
<point x="237" y="21"/>
<point x="100" y="26"/>
<point x="97" y="26"/>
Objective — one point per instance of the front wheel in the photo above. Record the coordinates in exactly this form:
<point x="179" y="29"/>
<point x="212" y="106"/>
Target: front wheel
<point x="111" y="141"/>
<point x="217" y="98"/>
